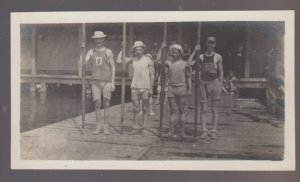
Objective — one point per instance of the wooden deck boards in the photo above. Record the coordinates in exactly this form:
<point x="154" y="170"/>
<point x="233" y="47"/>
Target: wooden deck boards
<point x="239" y="137"/>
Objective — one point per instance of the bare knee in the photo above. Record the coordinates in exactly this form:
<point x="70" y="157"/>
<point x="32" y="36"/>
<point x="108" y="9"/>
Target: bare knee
<point x="106" y="103"/>
<point x="97" y="104"/>
<point x="181" y="105"/>
<point x="136" y="106"/>
<point x="203" y="108"/>
<point x="145" y="104"/>
<point x="172" y="105"/>
<point x="214" y="107"/>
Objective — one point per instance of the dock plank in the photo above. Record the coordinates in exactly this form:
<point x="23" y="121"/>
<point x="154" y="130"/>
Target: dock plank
<point x="239" y="137"/>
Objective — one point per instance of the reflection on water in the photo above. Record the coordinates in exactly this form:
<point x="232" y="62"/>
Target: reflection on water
<point x="58" y="103"/>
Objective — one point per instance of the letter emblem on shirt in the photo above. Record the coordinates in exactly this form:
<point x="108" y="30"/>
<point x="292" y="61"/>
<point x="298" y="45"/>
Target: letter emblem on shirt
<point x="98" y="61"/>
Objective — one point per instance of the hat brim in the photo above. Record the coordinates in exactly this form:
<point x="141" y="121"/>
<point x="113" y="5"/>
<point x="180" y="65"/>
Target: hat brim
<point x="211" y="41"/>
<point x="98" y="37"/>
<point x="143" y="46"/>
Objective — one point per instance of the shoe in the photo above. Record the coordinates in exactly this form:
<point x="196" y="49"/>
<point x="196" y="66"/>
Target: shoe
<point x="136" y="127"/>
<point x="183" y="134"/>
<point x="152" y="113"/>
<point x="98" y="130"/>
<point x="204" y="135"/>
<point x="106" y="131"/>
<point x="170" y="133"/>
<point x="140" y="113"/>
<point x="144" y="126"/>
<point x="213" y="135"/>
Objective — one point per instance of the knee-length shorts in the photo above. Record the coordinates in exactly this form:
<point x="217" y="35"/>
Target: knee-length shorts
<point x="210" y="89"/>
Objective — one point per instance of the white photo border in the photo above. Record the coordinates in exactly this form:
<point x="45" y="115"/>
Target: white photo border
<point x="288" y="164"/>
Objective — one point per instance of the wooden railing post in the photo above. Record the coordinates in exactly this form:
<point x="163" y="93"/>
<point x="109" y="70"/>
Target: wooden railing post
<point x="34" y="49"/>
<point x="197" y="79"/>
<point x="123" y="77"/>
<point x="82" y="57"/>
<point x="162" y="79"/>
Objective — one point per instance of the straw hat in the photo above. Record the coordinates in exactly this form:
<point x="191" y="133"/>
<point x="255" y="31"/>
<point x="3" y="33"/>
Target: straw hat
<point x="211" y="39"/>
<point x="176" y="46"/>
<point x="138" y="44"/>
<point x="98" y="34"/>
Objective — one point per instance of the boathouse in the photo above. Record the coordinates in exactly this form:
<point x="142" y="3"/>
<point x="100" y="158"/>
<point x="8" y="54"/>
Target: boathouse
<point x="51" y="53"/>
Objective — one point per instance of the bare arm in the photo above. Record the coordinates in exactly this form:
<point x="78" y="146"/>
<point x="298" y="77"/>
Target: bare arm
<point x="119" y="58"/>
<point x="88" y="56"/>
<point x="159" y="53"/>
<point x="151" y="74"/>
<point x="191" y="60"/>
<point x="188" y="75"/>
<point x="221" y="74"/>
<point x="112" y="66"/>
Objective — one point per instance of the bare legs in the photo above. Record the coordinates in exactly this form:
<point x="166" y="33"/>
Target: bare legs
<point x="99" y="121"/>
<point x="102" y="123"/>
<point x="172" y="104"/>
<point x="151" y="106"/>
<point x="136" y="107"/>
<point x="215" y="118"/>
<point x="215" y="115"/>
<point x="203" y="113"/>
<point x="177" y="102"/>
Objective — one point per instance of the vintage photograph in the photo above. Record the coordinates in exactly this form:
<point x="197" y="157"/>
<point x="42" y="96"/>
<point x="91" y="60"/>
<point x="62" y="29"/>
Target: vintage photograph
<point x="195" y="91"/>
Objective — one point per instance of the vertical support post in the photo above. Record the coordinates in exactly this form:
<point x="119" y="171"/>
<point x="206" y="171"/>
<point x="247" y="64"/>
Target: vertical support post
<point x="123" y="77"/>
<point x="130" y="34"/>
<point x="248" y="50"/>
<point x="180" y="30"/>
<point x="80" y="60"/>
<point x="280" y="62"/>
<point x="82" y="57"/>
<point x="162" y="79"/>
<point x="129" y="69"/>
<point x="197" y="79"/>
<point x="34" y="50"/>
<point x="34" y="56"/>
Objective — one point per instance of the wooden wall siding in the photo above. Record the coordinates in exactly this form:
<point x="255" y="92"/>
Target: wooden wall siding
<point x="26" y="47"/>
<point x="58" y="45"/>
<point x="265" y="36"/>
<point x="58" y="48"/>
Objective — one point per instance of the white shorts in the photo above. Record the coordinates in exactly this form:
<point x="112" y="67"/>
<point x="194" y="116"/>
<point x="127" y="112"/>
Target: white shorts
<point x="101" y="88"/>
<point x="159" y="89"/>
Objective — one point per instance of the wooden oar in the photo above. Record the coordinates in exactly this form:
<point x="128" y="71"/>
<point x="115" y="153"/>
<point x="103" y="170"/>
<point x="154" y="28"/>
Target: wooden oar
<point x="123" y="78"/>
<point x="197" y="79"/>
<point x="83" y="52"/>
<point x="162" y="80"/>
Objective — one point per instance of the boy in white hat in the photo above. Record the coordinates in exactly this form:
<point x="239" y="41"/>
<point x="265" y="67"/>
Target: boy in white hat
<point x="210" y="85"/>
<point x="142" y="81"/>
<point x="178" y="88"/>
<point x="103" y="83"/>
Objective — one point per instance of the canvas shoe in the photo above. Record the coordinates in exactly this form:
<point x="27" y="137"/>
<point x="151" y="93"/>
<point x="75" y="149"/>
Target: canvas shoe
<point x="213" y="135"/>
<point x="98" y="130"/>
<point x="204" y="135"/>
<point x="106" y="130"/>
<point x="136" y="127"/>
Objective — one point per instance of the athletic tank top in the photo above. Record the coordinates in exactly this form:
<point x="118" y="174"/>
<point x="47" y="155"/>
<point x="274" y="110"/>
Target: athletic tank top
<point x="176" y="72"/>
<point x="100" y="65"/>
<point x="208" y="69"/>
<point x="141" y="71"/>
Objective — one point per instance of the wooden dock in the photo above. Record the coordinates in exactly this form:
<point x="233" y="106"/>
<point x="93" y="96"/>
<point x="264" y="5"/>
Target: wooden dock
<point x="249" y="133"/>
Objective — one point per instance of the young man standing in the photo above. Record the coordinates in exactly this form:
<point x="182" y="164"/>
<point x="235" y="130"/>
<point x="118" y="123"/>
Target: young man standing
<point x="158" y="58"/>
<point x="142" y="81"/>
<point x="177" y="88"/>
<point x="210" y="85"/>
<point x="103" y="75"/>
